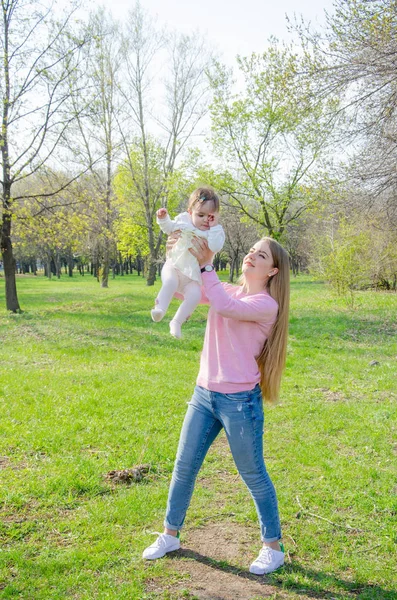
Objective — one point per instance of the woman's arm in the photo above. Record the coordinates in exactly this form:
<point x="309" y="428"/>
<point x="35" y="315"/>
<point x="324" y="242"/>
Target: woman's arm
<point x="258" y="307"/>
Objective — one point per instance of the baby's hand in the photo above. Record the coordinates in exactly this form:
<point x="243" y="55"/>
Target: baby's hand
<point x="213" y="219"/>
<point x="162" y="213"/>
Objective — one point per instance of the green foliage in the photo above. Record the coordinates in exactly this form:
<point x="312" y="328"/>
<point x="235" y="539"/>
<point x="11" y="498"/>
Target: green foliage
<point x="131" y="237"/>
<point x="353" y="253"/>
<point x="271" y="135"/>
<point x="347" y="263"/>
<point x="45" y="226"/>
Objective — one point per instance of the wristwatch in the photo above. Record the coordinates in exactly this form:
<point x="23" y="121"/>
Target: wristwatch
<point x="208" y="268"/>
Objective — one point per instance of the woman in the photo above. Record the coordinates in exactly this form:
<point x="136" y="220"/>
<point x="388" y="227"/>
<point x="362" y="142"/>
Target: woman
<point x="243" y="356"/>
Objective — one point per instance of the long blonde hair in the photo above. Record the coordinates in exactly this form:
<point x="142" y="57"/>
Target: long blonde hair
<point x="271" y="360"/>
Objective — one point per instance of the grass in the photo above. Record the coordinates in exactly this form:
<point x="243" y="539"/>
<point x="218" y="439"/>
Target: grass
<point x="89" y="384"/>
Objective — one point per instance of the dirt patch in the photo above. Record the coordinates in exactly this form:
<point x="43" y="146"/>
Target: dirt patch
<point x="331" y="396"/>
<point x="216" y="559"/>
<point x="133" y="475"/>
<point x="6" y="463"/>
<point x="222" y="541"/>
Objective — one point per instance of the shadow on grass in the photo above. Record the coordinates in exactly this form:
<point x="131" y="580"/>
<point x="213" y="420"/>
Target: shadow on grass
<point x="320" y="585"/>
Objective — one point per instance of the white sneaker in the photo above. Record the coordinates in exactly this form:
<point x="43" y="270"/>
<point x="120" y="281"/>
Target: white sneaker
<point x="164" y="543"/>
<point x="268" y="561"/>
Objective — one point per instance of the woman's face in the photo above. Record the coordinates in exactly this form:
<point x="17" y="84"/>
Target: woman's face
<point x="258" y="264"/>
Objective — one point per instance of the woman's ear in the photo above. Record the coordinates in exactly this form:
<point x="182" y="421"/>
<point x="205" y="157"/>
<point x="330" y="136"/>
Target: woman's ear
<point x="274" y="271"/>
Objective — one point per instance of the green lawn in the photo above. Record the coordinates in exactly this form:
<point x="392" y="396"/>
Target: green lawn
<point x="89" y="384"/>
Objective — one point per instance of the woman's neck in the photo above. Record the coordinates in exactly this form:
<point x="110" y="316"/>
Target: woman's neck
<point x="254" y="287"/>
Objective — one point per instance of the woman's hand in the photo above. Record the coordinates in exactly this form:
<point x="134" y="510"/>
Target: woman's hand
<point x="201" y="251"/>
<point x="172" y="240"/>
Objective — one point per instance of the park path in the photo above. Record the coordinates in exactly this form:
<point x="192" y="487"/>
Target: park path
<point x="209" y="565"/>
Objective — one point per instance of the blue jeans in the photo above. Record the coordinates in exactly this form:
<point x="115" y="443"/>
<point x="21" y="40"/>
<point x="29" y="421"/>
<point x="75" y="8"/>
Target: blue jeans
<point x="241" y="415"/>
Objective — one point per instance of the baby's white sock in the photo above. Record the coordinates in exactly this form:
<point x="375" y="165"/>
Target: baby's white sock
<point x="175" y="329"/>
<point x="157" y="314"/>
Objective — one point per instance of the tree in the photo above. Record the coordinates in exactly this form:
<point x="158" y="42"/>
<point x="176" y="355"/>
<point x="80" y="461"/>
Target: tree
<point x="38" y="54"/>
<point x="96" y="136"/>
<point x="241" y="235"/>
<point x="49" y="226"/>
<point x="356" y="58"/>
<point x="152" y="159"/>
<point x="271" y="135"/>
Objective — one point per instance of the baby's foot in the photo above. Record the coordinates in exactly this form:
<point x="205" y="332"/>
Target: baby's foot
<point x="157" y="314"/>
<point x="175" y="329"/>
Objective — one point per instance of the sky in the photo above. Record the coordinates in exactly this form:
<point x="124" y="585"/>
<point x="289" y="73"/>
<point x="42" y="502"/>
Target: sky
<point x="232" y="26"/>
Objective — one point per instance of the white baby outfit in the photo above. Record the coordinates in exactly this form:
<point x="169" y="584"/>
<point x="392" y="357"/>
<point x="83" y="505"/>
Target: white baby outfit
<point x="181" y="272"/>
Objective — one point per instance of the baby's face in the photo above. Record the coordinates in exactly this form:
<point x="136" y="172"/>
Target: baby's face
<point x="202" y="214"/>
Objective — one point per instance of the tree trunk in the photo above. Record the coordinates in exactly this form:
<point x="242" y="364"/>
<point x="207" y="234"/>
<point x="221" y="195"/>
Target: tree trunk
<point x="12" y="303"/>
<point x="231" y="274"/>
<point x="70" y="264"/>
<point x="152" y="269"/>
<point x="152" y="258"/>
<point x="236" y="261"/>
<point x="105" y="270"/>
<point x="57" y="265"/>
<point x="49" y="271"/>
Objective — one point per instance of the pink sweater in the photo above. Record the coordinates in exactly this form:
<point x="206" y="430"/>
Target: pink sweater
<point x="237" y="327"/>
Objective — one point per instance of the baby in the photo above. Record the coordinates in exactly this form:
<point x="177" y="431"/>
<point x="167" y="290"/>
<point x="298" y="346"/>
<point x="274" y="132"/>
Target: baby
<point x="181" y="272"/>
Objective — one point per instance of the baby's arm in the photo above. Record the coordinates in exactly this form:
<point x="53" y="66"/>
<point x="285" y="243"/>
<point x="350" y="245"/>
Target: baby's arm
<point x="164" y="221"/>
<point x="216" y="238"/>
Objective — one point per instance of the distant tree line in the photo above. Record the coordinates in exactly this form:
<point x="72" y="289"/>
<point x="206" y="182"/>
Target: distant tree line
<point x="99" y="122"/>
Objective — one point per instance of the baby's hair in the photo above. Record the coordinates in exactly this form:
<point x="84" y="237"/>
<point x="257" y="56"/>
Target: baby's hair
<point x="204" y="194"/>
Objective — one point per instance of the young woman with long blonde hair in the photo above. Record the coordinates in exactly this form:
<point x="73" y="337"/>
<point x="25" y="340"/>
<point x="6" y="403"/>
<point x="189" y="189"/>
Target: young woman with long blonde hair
<point x="242" y="361"/>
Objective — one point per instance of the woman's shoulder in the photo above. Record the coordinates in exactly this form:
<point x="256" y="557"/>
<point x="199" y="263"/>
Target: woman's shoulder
<point x="270" y="301"/>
